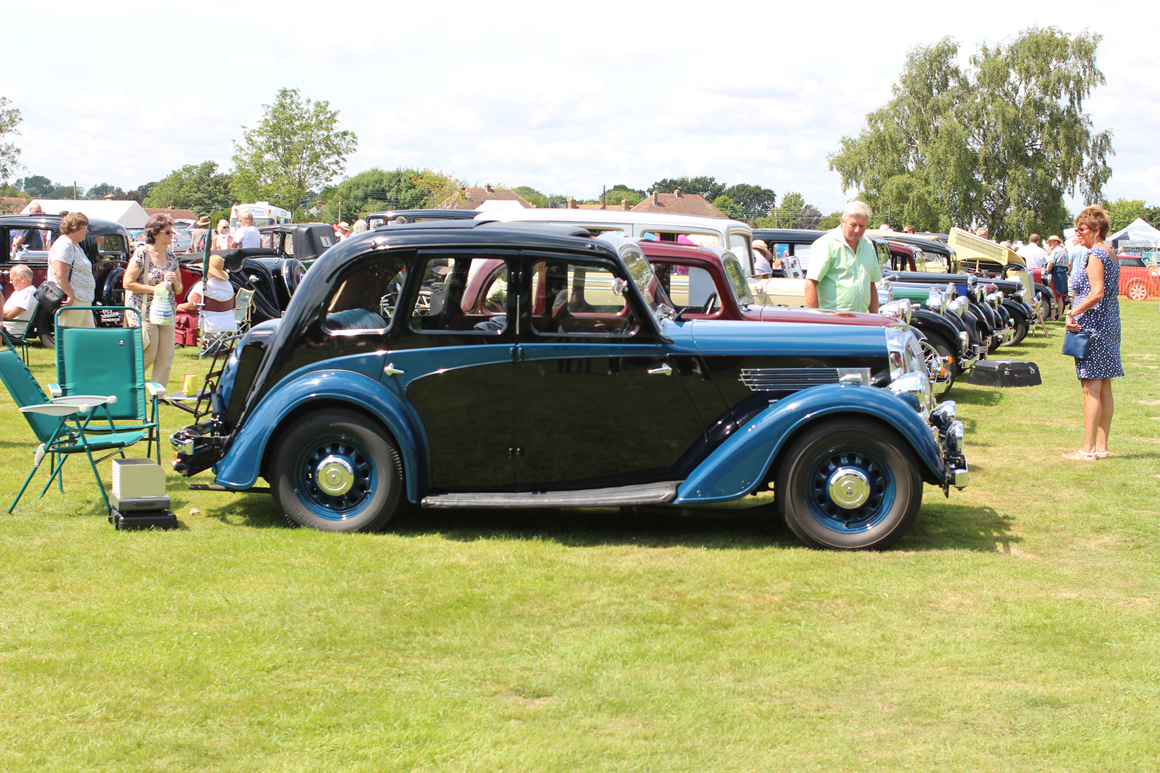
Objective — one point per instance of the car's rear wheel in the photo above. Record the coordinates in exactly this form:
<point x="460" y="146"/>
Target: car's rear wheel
<point x="1137" y="289"/>
<point x="336" y="470"/>
<point x="849" y="485"/>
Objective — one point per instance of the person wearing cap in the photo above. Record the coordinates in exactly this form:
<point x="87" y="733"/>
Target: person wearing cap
<point x="1057" y="267"/>
<point x="198" y="233"/>
<point x="214" y="298"/>
<point x="342" y="230"/>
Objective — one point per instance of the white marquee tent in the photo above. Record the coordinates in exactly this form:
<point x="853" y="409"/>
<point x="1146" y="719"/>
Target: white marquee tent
<point x="128" y="213"/>
<point x="1137" y="231"/>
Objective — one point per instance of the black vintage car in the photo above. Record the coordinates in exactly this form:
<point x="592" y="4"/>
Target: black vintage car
<point x="484" y="365"/>
<point x="376" y="219"/>
<point x="26" y="239"/>
<point x="302" y="241"/>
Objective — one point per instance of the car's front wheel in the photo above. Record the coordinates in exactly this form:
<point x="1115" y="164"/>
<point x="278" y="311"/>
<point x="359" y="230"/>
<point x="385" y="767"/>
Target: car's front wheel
<point x="849" y="484"/>
<point x="336" y="470"/>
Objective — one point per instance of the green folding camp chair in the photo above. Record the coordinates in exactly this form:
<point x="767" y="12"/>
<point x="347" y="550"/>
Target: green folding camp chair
<point x="64" y="427"/>
<point x="110" y="361"/>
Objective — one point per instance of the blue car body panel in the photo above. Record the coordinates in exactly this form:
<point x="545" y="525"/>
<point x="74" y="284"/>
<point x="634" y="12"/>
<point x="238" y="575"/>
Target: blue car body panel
<point x="738" y="466"/>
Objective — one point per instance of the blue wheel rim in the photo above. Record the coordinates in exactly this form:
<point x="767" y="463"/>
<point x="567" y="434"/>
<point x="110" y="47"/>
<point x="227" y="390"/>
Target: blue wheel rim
<point x="345" y="450"/>
<point x="882" y="490"/>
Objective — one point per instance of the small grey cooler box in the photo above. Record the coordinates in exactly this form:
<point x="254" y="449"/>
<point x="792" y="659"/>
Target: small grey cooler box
<point x="138" y="496"/>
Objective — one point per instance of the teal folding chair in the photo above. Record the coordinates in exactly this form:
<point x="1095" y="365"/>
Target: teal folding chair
<point x="64" y="427"/>
<point x="110" y="361"/>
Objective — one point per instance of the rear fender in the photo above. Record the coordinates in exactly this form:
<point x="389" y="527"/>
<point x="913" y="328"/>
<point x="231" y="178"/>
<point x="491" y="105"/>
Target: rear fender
<point x="740" y="464"/>
<point x="240" y="467"/>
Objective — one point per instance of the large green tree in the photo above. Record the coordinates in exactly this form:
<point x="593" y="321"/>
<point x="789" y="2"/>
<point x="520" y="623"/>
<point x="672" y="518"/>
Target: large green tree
<point x="998" y="143"/>
<point x="296" y="148"/>
<point x="199" y="187"/>
<point x="101" y="190"/>
<point x="375" y="190"/>
<point x="794" y="212"/>
<point x="707" y="187"/>
<point x="753" y="201"/>
<point x="1125" y="211"/>
<point x="9" y="154"/>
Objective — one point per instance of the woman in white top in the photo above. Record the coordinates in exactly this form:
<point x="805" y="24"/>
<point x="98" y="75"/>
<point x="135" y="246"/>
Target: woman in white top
<point x="214" y="298"/>
<point x="73" y="271"/>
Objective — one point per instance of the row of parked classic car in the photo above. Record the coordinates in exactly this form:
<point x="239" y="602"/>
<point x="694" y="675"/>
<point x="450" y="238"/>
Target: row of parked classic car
<point x="590" y="359"/>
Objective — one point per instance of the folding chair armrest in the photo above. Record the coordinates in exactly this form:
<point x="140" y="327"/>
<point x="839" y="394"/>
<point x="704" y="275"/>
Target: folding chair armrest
<point x="55" y="391"/>
<point x="154" y="389"/>
<point x="91" y="400"/>
<point x="55" y="409"/>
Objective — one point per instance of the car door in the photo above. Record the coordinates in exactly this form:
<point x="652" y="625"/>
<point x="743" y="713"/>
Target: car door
<point x="458" y="367"/>
<point x="598" y="400"/>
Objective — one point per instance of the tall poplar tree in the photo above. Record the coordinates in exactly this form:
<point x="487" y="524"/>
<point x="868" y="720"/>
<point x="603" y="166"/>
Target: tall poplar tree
<point x="296" y="148"/>
<point x="997" y="144"/>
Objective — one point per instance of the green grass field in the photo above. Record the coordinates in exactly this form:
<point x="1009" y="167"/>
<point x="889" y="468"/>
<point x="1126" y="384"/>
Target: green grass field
<point x="1016" y="628"/>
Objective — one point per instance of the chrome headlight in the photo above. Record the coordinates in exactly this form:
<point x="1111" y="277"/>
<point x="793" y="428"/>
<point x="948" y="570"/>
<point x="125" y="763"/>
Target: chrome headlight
<point x="899" y="310"/>
<point x="965" y="340"/>
<point x="905" y="352"/>
<point x="955" y="438"/>
<point x="958" y="306"/>
<point x="914" y="388"/>
<point x="994" y="298"/>
<point x="885" y="293"/>
<point x="943" y="415"/>
<point x="936" y="300"/>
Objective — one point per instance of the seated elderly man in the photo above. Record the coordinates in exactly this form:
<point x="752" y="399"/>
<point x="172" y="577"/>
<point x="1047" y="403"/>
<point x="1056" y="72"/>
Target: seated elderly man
<point x="18" y="309"/>
<point x="214" y="298"/>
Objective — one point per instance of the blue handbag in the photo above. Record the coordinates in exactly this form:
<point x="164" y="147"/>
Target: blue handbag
<point x="1077" y="344"/>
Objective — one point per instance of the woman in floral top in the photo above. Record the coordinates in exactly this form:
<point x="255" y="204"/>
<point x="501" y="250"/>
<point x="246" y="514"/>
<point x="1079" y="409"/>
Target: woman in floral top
<point x="152" y="265"/>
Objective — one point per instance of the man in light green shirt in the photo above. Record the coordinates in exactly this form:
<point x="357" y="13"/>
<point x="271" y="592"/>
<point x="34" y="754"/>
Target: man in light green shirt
<point x="844" y="269"/>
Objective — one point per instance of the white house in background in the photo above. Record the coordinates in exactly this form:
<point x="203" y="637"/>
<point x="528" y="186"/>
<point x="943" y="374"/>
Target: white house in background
<point x="128" y="213"/>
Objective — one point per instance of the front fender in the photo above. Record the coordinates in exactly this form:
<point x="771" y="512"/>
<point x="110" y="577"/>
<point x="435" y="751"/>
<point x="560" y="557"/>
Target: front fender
<point x="240" y="467"/>
<point x="932" y="322"/>
<point x="739" y="465"/>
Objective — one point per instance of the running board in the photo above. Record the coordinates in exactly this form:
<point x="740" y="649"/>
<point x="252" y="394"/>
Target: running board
<point x="647" y="494"/>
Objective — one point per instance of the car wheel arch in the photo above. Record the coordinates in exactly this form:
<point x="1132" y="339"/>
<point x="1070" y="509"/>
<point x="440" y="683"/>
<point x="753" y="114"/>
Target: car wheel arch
<point x="412" y="466"/>
<point x="727" y="476"/>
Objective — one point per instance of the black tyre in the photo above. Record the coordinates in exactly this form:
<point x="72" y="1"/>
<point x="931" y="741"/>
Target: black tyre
<point x="849" y="484"/>
<point x="336" y="470"/>
<point x="48" y="339"/>
<point x="1021" y="327"/>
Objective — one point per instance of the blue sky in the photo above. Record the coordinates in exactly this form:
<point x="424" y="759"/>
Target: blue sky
<point x="564" y="98"/>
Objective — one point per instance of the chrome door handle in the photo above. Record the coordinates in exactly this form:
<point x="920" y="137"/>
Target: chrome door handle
<point x="391" y="370"/>
<point x="663" y="370"/>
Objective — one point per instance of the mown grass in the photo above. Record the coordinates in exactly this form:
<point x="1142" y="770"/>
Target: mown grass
<point x="1014" y="629"/>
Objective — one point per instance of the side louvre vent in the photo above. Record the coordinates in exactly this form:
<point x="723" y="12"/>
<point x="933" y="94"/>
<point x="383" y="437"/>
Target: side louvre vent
<point x="787" y="379"/>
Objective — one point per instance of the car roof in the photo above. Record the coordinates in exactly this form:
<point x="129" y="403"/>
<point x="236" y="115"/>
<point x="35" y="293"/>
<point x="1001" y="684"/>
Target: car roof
<point x="612" y="216"/>
<point x="793" y="235"/>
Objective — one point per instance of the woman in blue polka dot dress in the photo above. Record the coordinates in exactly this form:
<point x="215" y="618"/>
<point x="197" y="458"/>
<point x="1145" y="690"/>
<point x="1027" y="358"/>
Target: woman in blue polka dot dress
<point x="1097" y="309"/>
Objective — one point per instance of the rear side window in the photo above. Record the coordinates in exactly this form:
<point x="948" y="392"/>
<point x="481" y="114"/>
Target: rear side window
<point x="366" y="299"/>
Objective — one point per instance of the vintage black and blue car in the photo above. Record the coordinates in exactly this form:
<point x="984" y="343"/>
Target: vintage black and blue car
<point x="492" y="365"/>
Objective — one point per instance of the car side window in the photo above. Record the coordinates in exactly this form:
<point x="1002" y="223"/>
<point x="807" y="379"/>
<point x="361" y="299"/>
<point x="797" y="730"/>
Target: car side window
<point x="573" y="299"/>
<point x="688" y="287"/>
<point x="460" y="294"/>
<point x="366" y="298"/>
